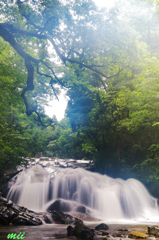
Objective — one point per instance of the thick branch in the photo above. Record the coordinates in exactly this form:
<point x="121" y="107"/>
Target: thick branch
<point x="63" y="58"/>
<point x="7" y="36"/>
<point x="86" y="66"/>
<point x="14" y="30"/>
<point x="7" y="32"/>
<point x="30" y="86"/>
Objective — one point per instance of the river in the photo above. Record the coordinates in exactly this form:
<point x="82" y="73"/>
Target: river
<point x="58" y="231"/>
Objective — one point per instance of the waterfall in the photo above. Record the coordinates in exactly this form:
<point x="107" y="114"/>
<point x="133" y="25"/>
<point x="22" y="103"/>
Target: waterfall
<point x="104" y="197"/>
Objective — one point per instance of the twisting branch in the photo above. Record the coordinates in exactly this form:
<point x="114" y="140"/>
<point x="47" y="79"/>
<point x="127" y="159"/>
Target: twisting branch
<point x="46" y="75"/>
<point x="8" y="31"/>
<point x="57" y="79"/>
<point x="63" y="58"/>
<point x="7" y="36"/>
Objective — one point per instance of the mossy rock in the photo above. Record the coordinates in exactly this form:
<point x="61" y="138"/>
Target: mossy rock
<point x="102" y="226"/>
<point x="135" y="234"/>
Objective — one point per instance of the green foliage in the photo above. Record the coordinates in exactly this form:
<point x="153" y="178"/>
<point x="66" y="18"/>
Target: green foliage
<point x="118" y="128"/>
<point x="108" y="61"/>
<point x="20" y="136"/>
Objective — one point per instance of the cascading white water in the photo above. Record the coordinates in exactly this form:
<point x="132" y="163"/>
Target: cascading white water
<point x="111" y="199"/>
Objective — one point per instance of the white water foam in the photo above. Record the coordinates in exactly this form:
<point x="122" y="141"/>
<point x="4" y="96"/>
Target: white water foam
<point x="105" y="197"/>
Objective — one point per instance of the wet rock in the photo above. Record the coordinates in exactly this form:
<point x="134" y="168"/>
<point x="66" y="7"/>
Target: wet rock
<point x="122" y="230"/>
<point x="44" y="158"/>
<point x="80" y="231"/>
<point x="63" y="164"/>
<point x="71" y="220"/>
<point x="78" y="228"/>
<point x="66" y="206"/>
<point x="58" y="217"/>
<point x="117" y="235"/>
<point x="9" y="203"/>
<point x="84" y="217"/>
<point x="11" y="213"/>
<point x="137" y="235"/>
<point x="3" y="220"/>
<point x="63" y="218"/>
<point x="46" y="219"/>
<point x="87" y="234"/>
<point x="55" y="206"/>
<point x="105" y="233"/>
<point x="90" y="167"/>
<point x="82" y="209"/>
<point x="102" y="226"/>
<point x="154" y="230"/>
<point x="6" y="215"/>
<point x="57" y="163"/>
<point x="26" y="220"/>
<point x="16" y="208"/>
<point x="3" y="200"/>
<point x="70" y="231"/>
<point x="59" y="205"/>
<point x="71" y="163"/>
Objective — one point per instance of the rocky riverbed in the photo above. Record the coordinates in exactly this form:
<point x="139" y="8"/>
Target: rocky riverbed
<point x="59" y="231"/>
<point x="59" y="225"/>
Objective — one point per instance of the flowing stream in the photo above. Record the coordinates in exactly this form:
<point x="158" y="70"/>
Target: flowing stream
<point x="103" y="197"/>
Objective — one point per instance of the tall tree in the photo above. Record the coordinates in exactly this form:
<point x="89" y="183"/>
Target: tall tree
<point x="34" y="27"/>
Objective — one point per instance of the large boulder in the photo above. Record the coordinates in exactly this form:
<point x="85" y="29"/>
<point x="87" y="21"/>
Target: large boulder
<point x="63" y="218"/>
<point x="80" y="231"/>
<point x="24" y="219"/>
<point x="82" y="209"/>
<point x="59" y="205"/>
<point x="70" y="231"/>
<point x="66" y="206"/>
<point x="138" y="235"/>
<point x="102" y="226"/>
<point x="6" y="215"/>
<point x="153" y="230"/>
<point x="11" y="213"/>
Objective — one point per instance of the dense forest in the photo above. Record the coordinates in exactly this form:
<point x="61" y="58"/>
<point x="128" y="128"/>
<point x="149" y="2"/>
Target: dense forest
<point x="106" y="59"/>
